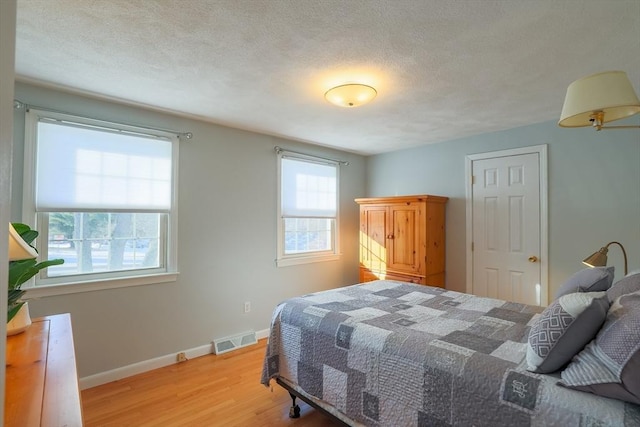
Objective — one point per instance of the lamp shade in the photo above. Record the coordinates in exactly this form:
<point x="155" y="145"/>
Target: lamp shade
<point x="18" y="248"/>
<point x="610" y="92"/>
<point x="597" y="259"/>
<point x="350" y="95"/>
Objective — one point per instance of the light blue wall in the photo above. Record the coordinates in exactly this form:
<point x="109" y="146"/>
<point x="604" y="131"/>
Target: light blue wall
<point x="226" y="248"/>
<point x="227" y="219"/>
<point x="594" y="190"/>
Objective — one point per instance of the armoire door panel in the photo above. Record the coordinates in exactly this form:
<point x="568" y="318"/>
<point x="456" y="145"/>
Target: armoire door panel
<point x="404" y="241"/>
<point x="373" y="237"/>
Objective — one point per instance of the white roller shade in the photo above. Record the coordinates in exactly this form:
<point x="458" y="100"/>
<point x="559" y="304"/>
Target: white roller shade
<point x="308" y="189"/>
<point x="79" y="168"/>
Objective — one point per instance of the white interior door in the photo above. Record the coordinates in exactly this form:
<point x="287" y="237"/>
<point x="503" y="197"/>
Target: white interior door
<point x="506" y="221"/>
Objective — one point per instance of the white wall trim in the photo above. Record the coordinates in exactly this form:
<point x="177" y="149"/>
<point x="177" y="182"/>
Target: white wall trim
<point x="35" y="292"/>
<point x="264" y="333"/>
<point x="541" y="150"/>
<point x="7" y="86"/>
<point x="149" y="365"/>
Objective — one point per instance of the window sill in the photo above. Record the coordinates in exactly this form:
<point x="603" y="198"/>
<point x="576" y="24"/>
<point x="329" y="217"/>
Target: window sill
<point x="286" y="262"/>
<point x="97" y="285"/>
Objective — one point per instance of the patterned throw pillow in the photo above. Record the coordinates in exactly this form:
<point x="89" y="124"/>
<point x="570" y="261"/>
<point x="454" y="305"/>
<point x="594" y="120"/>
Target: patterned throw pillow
<point x="610" y="365"/>
<point x="587" y="280"/>
<point x="628" y="284"/>
<point x="563" y="329"/>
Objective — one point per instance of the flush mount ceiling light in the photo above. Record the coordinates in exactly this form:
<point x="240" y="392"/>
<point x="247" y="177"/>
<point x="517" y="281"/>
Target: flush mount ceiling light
<point x="598" y="99"/>
<point x="350" y="95"/>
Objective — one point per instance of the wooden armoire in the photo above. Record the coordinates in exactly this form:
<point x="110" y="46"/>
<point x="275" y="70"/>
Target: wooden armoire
<point x="403" y="238"/>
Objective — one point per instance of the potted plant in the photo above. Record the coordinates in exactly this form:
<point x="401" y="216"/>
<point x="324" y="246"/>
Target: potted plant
<point x="19" y="272"/>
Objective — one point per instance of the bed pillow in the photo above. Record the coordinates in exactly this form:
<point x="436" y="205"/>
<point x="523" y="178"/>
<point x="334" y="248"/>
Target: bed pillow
<point x="626" y="285"/>
<point x="564" y="328"/>
<point x="610" y="365"/>
<point x="587" y="280"/>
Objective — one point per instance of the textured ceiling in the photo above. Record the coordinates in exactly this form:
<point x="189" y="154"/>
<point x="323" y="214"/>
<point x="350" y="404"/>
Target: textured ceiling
<point x="443" y="69"/>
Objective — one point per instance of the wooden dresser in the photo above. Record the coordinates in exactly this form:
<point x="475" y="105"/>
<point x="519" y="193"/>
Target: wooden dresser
<point x="403" y="238"/>
<point x="41" y="376"/>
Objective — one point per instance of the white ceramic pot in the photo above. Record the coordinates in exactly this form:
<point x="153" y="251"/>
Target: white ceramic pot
<point x="20" y="322"/>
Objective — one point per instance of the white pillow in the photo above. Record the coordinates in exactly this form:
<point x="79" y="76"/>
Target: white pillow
<point x="587" y="280"/>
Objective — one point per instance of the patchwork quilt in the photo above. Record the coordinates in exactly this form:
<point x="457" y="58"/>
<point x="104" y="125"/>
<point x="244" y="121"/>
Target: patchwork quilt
<point x="390" y="353"/>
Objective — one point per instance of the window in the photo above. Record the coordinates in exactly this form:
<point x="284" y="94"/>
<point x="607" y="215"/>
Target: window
<point x="102" y="197"/>
<point x="307" y="209"/>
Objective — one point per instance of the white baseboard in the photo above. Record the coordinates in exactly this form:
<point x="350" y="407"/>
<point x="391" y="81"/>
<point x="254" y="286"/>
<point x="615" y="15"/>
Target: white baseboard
<point x="262" y="334"/>
<point x="149" y="365"/>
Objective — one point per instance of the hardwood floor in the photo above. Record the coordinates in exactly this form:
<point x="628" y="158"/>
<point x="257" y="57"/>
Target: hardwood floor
<point x="210" y="390"/>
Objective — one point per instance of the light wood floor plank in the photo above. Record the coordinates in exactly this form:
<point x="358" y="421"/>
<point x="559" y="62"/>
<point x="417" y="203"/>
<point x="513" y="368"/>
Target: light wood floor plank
<point x="207" y="391"/>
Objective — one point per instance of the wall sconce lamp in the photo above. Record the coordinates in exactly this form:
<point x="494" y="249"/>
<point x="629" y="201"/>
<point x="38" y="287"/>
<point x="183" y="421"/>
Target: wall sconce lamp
<point x="18" y="248"/>
<point x="598" y="99"/>
<point x="599" y="258"/>
<point x="350" y="95"/>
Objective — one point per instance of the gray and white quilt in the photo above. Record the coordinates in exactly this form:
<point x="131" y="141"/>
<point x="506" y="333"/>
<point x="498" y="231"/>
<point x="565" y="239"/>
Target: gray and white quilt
<point x="389" y="353"/>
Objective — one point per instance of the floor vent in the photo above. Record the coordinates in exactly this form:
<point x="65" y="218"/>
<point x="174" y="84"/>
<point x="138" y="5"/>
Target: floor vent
<point x="223" y="345"/>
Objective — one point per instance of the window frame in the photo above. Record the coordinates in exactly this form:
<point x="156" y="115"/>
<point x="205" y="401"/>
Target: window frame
<point x="283" y="259"/>
<point x="40" y="286"/>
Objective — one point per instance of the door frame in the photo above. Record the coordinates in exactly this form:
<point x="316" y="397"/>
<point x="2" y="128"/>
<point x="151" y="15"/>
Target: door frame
<point x="541" y="150"/>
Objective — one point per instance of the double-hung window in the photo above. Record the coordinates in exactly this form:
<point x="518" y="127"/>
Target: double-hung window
<point x="103" y="199"/>
<point x="308" y="209"/>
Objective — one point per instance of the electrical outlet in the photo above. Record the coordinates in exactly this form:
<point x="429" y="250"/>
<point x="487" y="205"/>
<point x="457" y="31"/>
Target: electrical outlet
<point x="247" y="306"/>
<point x="182" y="357"/>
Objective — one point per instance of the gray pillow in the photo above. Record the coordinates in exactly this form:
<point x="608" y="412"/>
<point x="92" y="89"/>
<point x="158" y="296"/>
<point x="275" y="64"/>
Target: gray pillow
<point x="563" y="329"/>
<point x="587" y="280"/>
<point x="626" y="285"/>
<point x="610" y="365"/>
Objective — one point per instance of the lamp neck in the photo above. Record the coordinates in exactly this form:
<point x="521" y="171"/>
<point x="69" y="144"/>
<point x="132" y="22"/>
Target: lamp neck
<point x="597" y="122"/>
<point x="597" y="119"/>
<point x="624" y="253"/>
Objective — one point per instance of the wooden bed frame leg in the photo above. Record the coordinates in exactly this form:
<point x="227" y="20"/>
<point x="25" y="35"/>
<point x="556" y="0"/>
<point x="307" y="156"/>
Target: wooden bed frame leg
<point x="294" y="411"/>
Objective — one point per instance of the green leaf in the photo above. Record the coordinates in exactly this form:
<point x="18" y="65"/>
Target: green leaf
<point x="13" y="310"/>
<point x="29" y="237"/>
<point x="49" y="263"/>
<point x="21" y="271"/>
<point x="20" y="227"/>
<point x="14" y="295"/>
<point x="18" y="269"/>
<point x="27" y="234"/>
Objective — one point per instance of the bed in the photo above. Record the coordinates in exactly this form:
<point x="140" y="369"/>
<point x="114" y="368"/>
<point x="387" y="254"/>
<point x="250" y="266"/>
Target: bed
<point x="388" y="353"/>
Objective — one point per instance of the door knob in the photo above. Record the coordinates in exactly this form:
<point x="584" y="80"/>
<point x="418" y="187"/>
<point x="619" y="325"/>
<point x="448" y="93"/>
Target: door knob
<point x="533" y="258"/>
